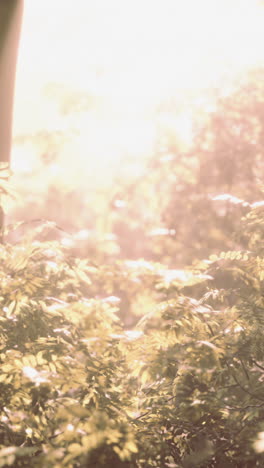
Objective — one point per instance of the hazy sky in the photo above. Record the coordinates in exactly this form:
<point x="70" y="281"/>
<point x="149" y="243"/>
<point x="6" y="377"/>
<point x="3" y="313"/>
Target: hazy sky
<point x="169" y="37"/>
<point x="131" y="54"/>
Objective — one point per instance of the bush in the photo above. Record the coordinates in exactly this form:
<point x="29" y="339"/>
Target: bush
<point x="183" y="388"/>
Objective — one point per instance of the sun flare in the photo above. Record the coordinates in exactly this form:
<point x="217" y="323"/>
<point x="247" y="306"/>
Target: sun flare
<point x="126" y="58"/>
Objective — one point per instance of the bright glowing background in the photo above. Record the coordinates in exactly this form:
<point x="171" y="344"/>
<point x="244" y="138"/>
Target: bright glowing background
<point x="128" y="55"/>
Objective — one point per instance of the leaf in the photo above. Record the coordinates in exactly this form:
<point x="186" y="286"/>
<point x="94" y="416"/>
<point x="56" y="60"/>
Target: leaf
<point x="75" y="448"/>
<point x="131" y="446"/>
<point x="7" y="368"/>
<point x="82" y="276"/>
<point x="208" y="343"/>
<point x="78" y="411"/>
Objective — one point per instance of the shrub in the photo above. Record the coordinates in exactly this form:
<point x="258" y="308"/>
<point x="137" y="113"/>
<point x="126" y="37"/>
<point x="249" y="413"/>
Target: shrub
<point x="182" y="389"/>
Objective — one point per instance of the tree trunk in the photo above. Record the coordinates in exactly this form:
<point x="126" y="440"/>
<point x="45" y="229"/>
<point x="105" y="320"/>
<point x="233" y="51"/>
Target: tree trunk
<point x="10" y="26"/>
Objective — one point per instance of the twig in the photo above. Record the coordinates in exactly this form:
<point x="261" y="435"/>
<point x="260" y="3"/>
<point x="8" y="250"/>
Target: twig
<point x="258" y="365"/>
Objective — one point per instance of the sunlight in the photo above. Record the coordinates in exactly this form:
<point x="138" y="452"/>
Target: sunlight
<point x="128" y="57"/>
<point x="35" y="376"/>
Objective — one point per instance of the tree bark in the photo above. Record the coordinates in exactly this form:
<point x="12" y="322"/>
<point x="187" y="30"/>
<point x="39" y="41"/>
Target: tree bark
<point x="10" y="26"/>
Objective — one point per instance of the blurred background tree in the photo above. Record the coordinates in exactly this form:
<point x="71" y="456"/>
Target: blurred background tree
<point x="126" y="143"/>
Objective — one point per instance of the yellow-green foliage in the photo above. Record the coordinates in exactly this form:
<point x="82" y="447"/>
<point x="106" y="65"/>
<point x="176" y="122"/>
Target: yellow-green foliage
<point x="183" y="388"/>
